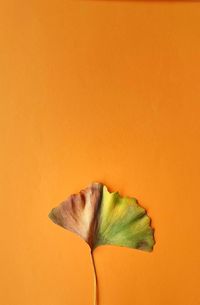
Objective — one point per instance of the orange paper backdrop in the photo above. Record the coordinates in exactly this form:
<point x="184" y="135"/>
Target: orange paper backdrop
<point x="99" y="91"/>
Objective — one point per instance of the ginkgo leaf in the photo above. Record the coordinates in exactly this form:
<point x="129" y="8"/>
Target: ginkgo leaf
<point x="103" y="218"/>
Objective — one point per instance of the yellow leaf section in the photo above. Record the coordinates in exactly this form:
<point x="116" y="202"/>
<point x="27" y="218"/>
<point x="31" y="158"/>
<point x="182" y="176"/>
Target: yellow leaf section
<point x="122" y="222"/>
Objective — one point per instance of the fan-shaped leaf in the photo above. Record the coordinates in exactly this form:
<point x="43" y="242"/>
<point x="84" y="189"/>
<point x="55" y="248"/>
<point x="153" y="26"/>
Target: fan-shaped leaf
<point x="101" y="218"/>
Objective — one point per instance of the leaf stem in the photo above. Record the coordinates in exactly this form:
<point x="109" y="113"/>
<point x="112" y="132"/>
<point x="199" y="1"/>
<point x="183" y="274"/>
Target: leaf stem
<point x="95" y="280"/>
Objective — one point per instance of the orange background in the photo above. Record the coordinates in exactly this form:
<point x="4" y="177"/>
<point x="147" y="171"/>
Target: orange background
<point x="99" y="91"/>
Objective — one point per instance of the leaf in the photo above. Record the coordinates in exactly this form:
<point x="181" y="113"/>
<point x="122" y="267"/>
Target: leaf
<point x="103" y="218"/>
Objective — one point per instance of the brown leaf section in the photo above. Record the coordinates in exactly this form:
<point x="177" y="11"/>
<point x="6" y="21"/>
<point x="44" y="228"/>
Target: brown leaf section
<point x="78" y="213"/>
